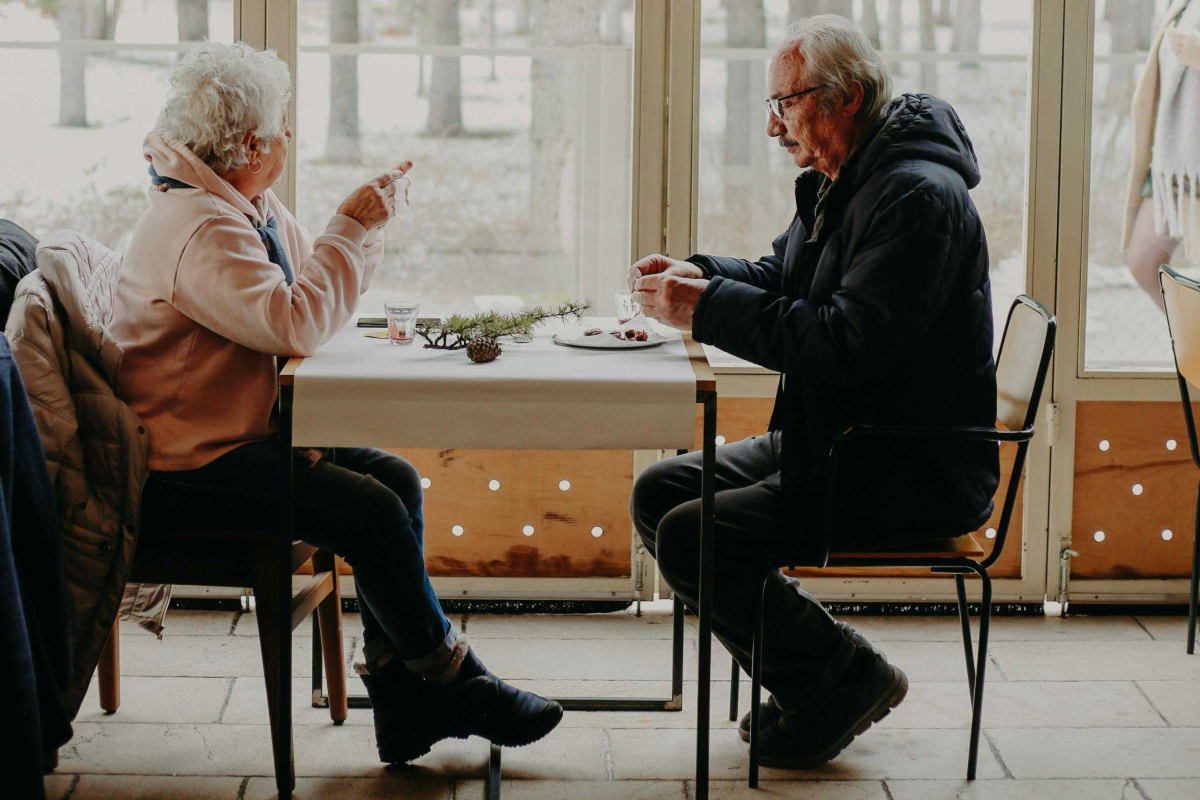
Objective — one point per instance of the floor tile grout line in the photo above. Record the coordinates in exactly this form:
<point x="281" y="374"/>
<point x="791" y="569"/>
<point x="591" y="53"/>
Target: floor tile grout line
<point x="1143" y="627"/>
<point x="1138" y="786"/>
<point x="1166" y="721"/>
<point x="996" y="754"/>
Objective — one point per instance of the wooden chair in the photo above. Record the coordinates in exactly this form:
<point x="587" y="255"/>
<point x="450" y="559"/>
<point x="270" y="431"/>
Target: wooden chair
<point x="1021" y="371"/>
<point x="1182" y="296"/>
<point x="240" y="558"/>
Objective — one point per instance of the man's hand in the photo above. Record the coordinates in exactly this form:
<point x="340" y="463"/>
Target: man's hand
<point x="660" y="265"/>
<point x="669" y="298"/>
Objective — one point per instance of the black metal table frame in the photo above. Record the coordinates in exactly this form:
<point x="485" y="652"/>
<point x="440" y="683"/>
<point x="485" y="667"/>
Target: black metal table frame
<point x="706" y="397"/>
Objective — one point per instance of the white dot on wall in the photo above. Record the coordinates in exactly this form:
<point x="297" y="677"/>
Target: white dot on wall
<point x="494" y="485"/>
<point x="1098" y="536"/>
<point x="564" y="485"/>
<point x="1167" y="534"/>
<point x="527" y="530"/>
<point x="990" y="533"/>
<point x="1172" y="444"/>
<point x="457" y="530"/>
<point x="1104" y="445"/>
<point x="426" y="483"/>
<point x="597" y="531"/>
<point x="1137" y="489"/>
<point x="720" y="440"/>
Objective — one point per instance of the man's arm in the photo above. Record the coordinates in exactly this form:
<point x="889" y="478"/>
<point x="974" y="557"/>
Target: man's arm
<point x="890" y="293"/>
<point x="766" y="273"/>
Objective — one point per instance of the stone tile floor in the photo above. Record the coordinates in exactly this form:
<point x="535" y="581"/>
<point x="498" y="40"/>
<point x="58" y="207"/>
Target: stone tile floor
<point x="1078" y="709"/>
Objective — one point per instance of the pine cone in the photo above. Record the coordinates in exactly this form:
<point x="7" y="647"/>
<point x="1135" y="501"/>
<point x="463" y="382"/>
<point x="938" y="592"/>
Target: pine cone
<point x="482" y="351"/>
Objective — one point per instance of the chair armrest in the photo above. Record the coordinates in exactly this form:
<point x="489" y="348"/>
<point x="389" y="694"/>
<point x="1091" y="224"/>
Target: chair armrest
<point x="942" y="432"/>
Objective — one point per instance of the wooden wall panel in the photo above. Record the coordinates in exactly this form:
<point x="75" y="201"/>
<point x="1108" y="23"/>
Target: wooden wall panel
<point x="1137" y="436"/>
<point x="739" y="417"/>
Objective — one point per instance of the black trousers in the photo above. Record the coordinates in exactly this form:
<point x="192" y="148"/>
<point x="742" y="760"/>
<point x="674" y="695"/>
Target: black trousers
<point x="804" y="650"/>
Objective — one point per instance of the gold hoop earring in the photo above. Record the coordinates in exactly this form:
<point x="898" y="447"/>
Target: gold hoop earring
<point x="256" y="171"/>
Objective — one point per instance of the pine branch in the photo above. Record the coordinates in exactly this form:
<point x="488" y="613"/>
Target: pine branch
<point x="457" y="331"/>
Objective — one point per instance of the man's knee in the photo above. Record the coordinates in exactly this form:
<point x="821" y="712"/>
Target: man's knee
<point x="678" y="543"/>
<point x="655" y="493"/>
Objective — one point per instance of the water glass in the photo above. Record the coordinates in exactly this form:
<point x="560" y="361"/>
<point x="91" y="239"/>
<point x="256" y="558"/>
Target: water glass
<point x="627" y="307"/>
<point x="402" y="322"/>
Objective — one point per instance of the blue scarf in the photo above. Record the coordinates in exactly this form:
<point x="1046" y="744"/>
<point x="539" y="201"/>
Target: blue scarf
<point x="269" y="233"/>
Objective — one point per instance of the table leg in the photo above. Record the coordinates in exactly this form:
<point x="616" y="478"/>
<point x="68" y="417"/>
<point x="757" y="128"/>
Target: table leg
<point x="707" y="502"/>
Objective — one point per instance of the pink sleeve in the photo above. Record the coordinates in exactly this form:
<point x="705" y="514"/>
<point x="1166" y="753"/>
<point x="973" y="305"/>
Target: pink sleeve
<point x="373" y="250"/>
<point x="225" y="283"/>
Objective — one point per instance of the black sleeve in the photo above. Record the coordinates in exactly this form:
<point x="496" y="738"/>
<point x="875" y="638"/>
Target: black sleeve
<point x="766" y="273"/>
<point x="890" y="292"/>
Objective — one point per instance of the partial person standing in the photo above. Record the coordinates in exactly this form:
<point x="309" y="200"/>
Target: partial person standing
<point x="1163" y="198"/>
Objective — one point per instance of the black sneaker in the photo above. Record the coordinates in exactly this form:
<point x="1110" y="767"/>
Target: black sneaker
<point x="813" y="736"/>
<point x="410" y="713"/>
<point x="483" y="705"/>
<point x="769" y="711"/>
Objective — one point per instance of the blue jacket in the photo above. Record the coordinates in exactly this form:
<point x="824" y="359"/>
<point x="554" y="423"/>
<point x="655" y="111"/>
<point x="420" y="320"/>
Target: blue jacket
<point x="875" y="304"/>
<point x="35" y="628"/>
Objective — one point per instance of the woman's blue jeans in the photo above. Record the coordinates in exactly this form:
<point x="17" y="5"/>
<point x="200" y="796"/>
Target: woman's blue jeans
<point x="361" y="503"/>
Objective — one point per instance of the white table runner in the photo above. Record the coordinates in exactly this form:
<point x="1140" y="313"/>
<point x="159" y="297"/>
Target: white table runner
<point x="362" y="392"/>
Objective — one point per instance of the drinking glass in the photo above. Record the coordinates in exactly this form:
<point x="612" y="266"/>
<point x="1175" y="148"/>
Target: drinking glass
<point x="627" y="307"/>
<point x="402" y="322"/>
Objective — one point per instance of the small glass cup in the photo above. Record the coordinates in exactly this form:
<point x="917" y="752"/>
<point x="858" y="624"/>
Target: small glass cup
<point x="402" y="322"/>
<point x="627" y="307"/>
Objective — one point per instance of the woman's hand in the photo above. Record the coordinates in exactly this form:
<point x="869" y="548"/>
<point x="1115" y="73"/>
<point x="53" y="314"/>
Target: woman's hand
<point x="374" y="203"/>
<point x="1185" y="44"/>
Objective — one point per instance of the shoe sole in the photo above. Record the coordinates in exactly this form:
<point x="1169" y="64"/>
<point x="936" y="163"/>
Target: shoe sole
<point x="874" y="714"/>
<point x="762" y="724"/>
<point x="535" y="733"/>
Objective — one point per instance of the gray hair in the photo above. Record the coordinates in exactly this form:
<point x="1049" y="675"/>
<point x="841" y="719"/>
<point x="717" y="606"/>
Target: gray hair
<point x="836" y="53"/>
<point x="219" y="93"/>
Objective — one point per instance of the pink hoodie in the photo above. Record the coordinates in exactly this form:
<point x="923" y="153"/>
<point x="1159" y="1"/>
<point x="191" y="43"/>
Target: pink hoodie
<point x="201" y="313"/>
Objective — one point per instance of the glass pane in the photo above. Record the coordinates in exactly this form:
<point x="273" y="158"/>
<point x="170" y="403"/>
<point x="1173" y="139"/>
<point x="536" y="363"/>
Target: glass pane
<point x="972" y="53"/>
<point x="518" y="117"/>
<point x="1125" y="325"/>
<point x="78" y="105"/>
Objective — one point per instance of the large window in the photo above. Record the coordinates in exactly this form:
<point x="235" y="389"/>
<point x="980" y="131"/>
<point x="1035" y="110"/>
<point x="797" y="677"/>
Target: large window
<point x="517" y="114"/>
<point x="972" y="53"/>
<point x="81" y="84"/>
<point x="1125" y="326"/>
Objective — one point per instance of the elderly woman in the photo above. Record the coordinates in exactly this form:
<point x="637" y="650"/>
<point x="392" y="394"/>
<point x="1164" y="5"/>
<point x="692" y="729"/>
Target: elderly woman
<point x="218" y="282"/>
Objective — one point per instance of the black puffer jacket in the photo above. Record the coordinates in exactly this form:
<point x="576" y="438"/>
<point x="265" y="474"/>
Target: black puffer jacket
<point x="884" y="317"/>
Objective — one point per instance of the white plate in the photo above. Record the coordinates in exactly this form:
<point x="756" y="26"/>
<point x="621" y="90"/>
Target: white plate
<point x="606" y="341"/>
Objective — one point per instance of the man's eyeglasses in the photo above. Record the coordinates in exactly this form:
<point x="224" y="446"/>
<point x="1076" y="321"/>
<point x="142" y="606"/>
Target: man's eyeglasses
<point x="775" y="104"/>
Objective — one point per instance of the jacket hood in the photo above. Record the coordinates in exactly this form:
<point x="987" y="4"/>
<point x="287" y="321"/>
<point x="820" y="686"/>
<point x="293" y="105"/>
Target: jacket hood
<point x="173" y="159"/>
<point x="925" y="128"/>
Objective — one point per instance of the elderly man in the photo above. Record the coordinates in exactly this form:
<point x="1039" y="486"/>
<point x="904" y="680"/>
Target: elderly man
<point x="875" y="307"/>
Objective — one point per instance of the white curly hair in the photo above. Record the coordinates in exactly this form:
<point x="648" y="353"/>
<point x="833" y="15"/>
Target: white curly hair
<point x="836" y="53"/>
<point x="219" y="92"/>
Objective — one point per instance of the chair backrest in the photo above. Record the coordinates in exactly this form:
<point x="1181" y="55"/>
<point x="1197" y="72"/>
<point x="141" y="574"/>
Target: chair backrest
<point x="1182" y="297"/>
<point x="1023" y="362"/>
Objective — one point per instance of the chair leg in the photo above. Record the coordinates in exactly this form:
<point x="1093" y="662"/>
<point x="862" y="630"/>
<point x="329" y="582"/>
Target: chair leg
<point x="110" y="670"/>
<point x="734" y="680"/>
<point x="964" y="617"/>
<point x="1192" y="599"/>
<point x="756" y="670"/>
<point x="985" y="617"/>
<point x="329" y="612"/>
<point x="273" y="631"/>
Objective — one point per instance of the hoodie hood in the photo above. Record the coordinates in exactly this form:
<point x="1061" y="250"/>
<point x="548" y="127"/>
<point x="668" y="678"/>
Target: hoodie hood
<point x="920" y="127"/>
<point x="173" y="159"/>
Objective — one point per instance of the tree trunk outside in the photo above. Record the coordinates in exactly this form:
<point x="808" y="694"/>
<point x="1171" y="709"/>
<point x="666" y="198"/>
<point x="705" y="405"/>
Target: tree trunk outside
<point x="612" y="21"/>
<point x="870" y="23"/>
<point x="343" y="140"/>
<point x="893" y="34"/>
<point x="521" y="23"/>
<point x="945" y="16"/>
<point x="445" y="80"/>
<point x="1145" y="24"/>
<point x="1124" y="40"/>
<point x="928" y="45"/>
<point x="967" y="28"/>
<point x="193" y="20"/>
<point x="799" y="9"/>
<point x="745" y="26"/>
<point x="843" y="8"/>
<point x="72" y="67"/>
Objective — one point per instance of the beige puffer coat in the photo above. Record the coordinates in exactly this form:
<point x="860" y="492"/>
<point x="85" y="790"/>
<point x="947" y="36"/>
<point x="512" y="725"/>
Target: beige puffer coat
<point x="95" y="446"/>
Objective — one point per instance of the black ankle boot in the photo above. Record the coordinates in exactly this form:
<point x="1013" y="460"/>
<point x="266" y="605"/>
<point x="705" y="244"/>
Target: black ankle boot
<point x="483" y="705"/>
<point x="410" y="713"/>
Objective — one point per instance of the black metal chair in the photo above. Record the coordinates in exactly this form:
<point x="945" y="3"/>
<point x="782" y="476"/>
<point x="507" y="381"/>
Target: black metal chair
<point x="1021" y="370"/>
<point x="1182" y="296"/>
